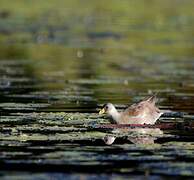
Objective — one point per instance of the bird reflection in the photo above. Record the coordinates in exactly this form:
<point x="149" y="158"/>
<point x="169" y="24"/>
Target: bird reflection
<point x="135" y="135"/>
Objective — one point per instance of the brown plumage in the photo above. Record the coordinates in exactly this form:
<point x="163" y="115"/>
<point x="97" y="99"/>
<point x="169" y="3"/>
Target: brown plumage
<point x="144" y="112"/>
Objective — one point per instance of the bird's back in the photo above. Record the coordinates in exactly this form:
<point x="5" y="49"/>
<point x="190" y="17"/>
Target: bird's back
<point x="144" y="112"/>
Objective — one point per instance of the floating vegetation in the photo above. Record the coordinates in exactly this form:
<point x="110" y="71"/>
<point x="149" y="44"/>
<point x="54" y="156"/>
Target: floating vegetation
<point x="22" y="106"/>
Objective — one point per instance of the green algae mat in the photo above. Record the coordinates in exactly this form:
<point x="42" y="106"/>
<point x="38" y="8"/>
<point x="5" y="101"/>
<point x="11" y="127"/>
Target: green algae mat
<point x="60" y="61"/>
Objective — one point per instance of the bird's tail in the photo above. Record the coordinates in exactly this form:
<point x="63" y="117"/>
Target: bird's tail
<point x="166" y="111"/>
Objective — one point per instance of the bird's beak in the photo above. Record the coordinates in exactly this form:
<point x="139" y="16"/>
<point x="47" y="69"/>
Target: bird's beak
<point x="102" y="111"/>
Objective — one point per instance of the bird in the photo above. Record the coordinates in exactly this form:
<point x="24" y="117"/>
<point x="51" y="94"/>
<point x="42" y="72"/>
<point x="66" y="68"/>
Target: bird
<point x="143" y="112"/>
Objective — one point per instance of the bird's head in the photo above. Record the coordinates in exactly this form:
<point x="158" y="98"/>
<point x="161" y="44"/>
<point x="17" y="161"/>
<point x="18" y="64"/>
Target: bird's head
<point x="107" y="109"/>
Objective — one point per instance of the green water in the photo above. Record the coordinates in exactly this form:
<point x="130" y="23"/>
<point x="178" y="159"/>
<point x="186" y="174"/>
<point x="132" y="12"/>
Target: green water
<point x="60" y="61"/>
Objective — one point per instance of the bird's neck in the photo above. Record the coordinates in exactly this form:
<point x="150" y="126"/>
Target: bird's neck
<point x="115" y="115"/>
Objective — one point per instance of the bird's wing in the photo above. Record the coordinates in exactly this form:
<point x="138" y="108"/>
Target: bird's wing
<point x="141" y="108"/>
<point x="151" y="99"/>
<point x="135" y="109"/>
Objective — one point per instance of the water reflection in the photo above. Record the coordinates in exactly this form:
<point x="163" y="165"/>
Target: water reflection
<point x="135" y="135"/>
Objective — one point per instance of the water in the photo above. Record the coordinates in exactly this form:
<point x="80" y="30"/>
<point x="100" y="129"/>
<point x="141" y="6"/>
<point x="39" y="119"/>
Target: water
<point x="58" y="67"/>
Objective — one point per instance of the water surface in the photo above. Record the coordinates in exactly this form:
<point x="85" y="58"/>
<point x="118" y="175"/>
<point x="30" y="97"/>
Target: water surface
<point x="60" y="62"/>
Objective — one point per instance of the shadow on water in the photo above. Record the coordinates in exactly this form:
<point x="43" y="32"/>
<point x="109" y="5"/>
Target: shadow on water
<point x="58" y="67"/>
